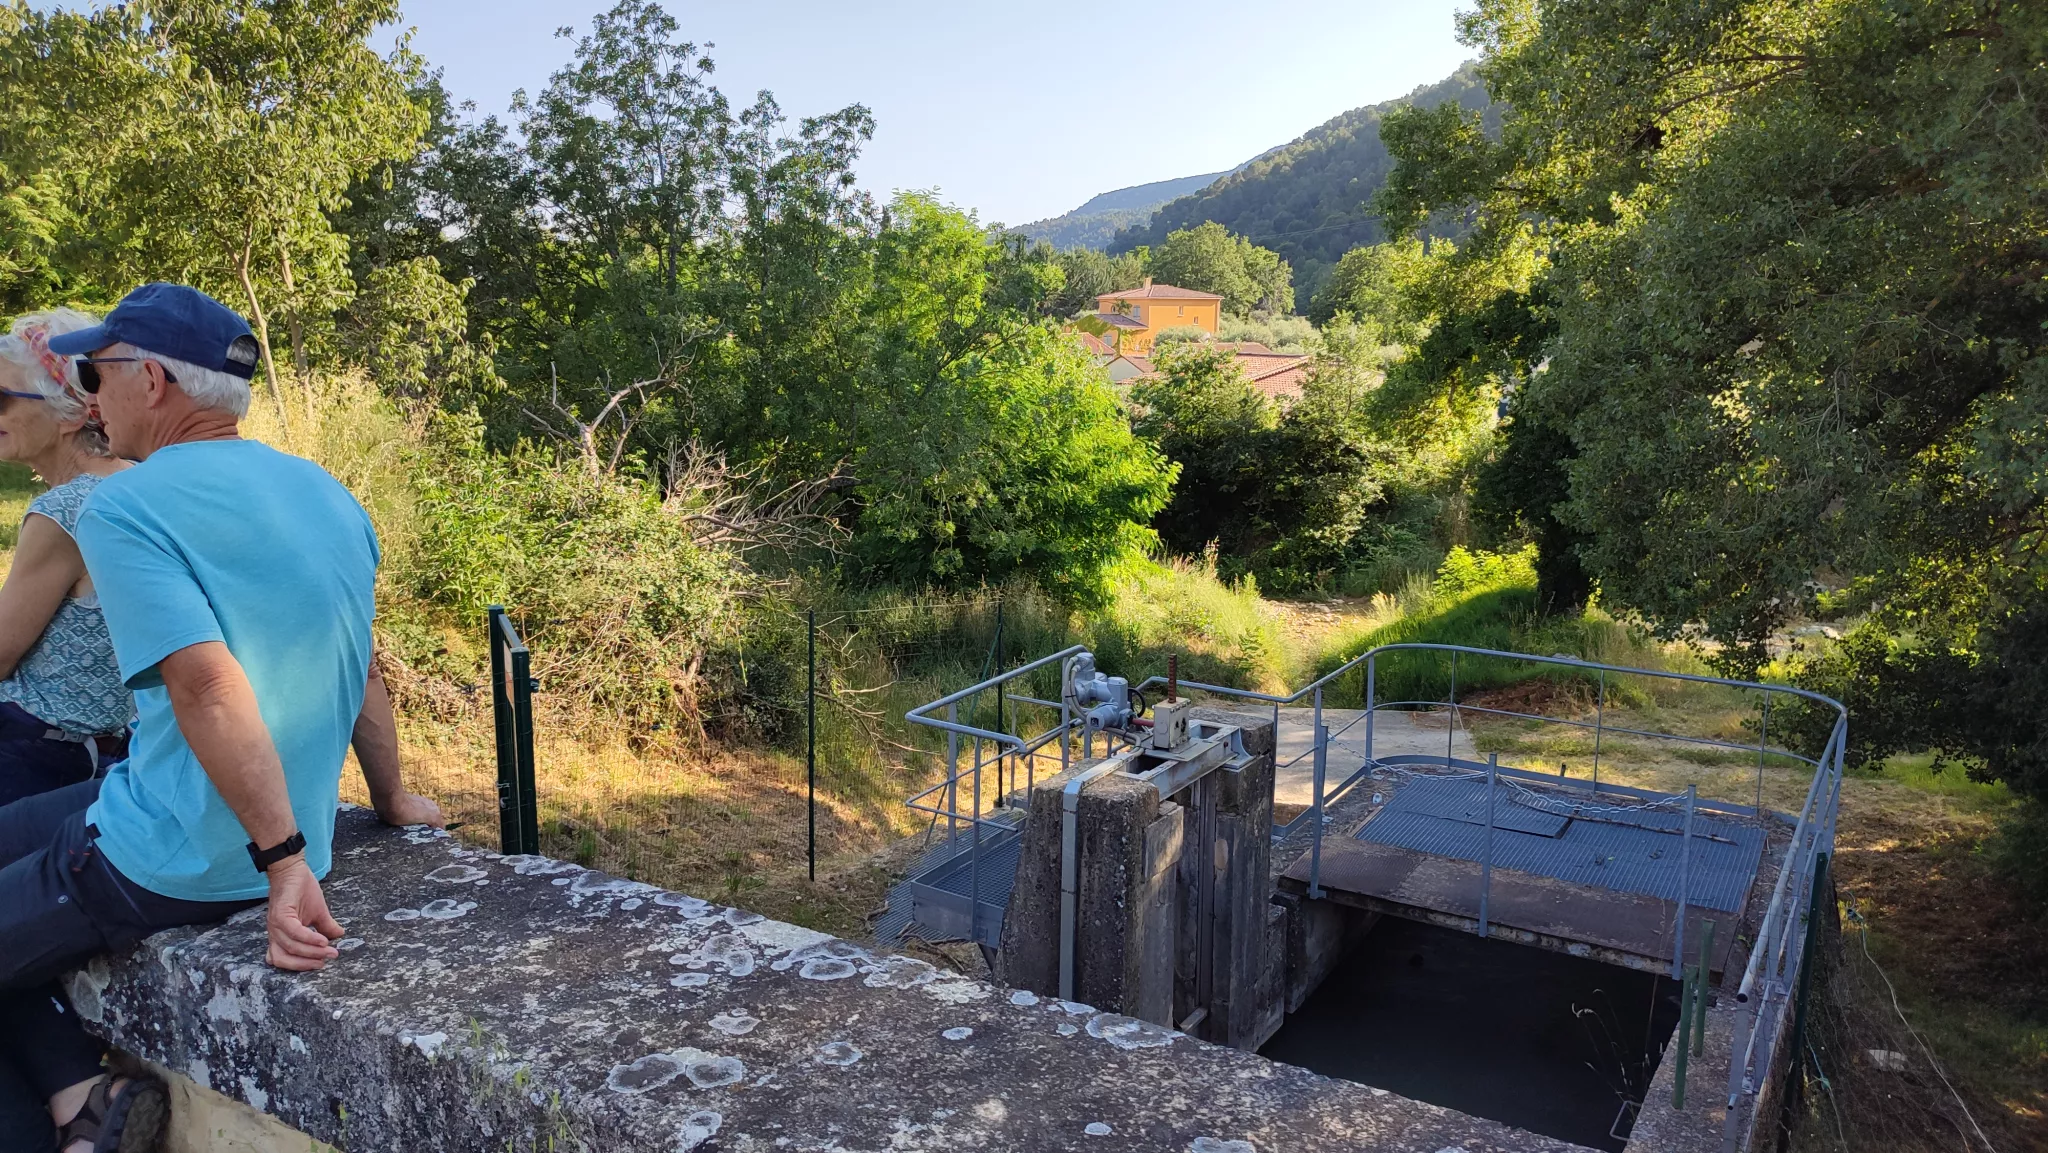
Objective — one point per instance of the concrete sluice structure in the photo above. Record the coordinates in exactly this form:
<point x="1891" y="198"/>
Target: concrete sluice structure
<point x="1151" y="930"/>
<point x="1166" y="891"/>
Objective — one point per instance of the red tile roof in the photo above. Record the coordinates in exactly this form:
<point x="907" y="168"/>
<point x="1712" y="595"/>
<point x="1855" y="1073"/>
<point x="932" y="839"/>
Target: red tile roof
<point x="1119" y="320"/>
<point x="1158" y="292"/>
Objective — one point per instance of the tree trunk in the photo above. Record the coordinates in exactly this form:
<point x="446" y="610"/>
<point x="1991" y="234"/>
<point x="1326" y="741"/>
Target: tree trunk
<point x="262" y="328"/>
<point x="296" y="326"/>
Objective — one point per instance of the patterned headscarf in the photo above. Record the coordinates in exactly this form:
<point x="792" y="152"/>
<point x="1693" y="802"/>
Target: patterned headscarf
<point x="37" y="338"/>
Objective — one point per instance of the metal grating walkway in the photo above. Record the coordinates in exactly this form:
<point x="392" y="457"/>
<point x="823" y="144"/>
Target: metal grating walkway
<point x="931" y="901"/>
<point x="1598" y="846"/>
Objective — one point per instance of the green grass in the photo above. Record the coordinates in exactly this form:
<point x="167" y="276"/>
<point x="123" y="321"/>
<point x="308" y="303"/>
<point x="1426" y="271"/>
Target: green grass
<point x="18" y="486"/>
<point x="1917" y="771"/>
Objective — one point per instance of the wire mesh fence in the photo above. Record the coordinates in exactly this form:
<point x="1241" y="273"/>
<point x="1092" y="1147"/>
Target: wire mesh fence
<point x="813" y="790"/>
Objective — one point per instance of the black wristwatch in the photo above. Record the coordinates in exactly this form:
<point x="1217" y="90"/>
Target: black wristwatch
<point x="264" y="858"/>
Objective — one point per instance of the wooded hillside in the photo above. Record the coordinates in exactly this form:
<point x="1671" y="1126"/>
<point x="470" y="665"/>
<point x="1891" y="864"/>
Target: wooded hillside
<point x="1308" y="200"/>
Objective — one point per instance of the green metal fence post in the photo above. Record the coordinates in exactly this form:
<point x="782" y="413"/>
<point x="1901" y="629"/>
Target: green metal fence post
<point x="1699" y="996"/>
<point x="811" y="737"/>
<point x="522" y="712"/>
<point x="1683" y="1049"/>
<point x="1806" y="963"/>
<point x="504" y="730"/>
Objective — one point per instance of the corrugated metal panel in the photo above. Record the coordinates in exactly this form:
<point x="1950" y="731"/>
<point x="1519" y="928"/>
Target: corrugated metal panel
<point x="1629" y="852"/>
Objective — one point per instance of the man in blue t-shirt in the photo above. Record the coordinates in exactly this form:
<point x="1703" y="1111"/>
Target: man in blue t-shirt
<point x="238" y="586"/>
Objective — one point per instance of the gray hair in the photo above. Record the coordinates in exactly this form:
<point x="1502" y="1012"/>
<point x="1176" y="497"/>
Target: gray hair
<point x="59" y="387"/>
<point x="208" y="387"/>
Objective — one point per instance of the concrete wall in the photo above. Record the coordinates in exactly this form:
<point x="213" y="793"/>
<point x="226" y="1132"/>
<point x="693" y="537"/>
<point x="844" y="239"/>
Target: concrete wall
<point x="484" y="1002"/>
<point x="1175" y="923"/>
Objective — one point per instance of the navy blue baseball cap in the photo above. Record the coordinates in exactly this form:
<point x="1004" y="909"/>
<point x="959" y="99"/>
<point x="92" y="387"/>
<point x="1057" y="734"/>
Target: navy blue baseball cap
<point x="171" y="320"/>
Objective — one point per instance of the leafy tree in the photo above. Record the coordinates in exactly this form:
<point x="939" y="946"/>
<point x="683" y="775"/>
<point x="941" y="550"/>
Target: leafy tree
<point x="1368" y="283"/>
<point x="1208" y="258"/>
<point x="218" y="135"/>
<point x="1772" y="411"/>
<point x="409" y="328"/>
<point x="1281" y="494"/>
<point x="1206" y="417"/>
<point x="1089" y="274"/>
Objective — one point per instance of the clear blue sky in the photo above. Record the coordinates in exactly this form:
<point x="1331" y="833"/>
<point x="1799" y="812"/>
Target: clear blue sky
<point x="1002" y="108"/>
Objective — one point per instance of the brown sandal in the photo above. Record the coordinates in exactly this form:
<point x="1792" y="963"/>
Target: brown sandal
<point x="128" y="1120"/>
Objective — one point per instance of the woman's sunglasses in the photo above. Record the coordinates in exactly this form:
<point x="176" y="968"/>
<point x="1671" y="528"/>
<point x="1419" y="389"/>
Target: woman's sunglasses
<point x="89" y="373"/>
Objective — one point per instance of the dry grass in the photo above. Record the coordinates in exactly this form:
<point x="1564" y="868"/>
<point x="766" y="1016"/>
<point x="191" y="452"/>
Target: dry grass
<point x="723" y="824"/>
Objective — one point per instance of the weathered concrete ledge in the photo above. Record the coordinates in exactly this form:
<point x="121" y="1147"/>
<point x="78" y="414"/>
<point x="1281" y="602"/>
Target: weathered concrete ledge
<point x="490" y="1003"/>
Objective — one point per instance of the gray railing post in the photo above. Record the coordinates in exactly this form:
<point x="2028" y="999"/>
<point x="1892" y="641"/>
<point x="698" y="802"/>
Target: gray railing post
<point x="974" y="861"/>
<point x="952" y="779"/>
<point x="1451" y="730"/>
<point x="1692" y="793"/>
<point x="1371" y="691"/>
<point x="1486" y="864"/>
<point x="1599" y="725"/>
<point x="1763" y="737"/>
<point x="1315" y="820"/>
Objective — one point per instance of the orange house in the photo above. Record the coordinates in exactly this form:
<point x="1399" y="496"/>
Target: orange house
<point x="1137" y="316"/>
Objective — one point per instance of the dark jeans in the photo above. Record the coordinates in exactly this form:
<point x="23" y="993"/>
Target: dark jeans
<point x="61" y="903"/>
<point x="32" y="763"/>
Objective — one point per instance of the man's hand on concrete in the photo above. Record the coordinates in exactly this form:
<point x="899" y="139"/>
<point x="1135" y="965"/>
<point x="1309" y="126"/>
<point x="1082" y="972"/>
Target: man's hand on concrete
<point x="302" y="932"/>
<point x="410" y="809"/>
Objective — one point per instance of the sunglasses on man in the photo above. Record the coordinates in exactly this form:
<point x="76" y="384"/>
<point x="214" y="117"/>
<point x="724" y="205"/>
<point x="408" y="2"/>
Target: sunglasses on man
<point x="89" y="373"/>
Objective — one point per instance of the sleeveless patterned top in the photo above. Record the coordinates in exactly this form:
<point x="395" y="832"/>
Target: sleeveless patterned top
<point x="69" y="678"/>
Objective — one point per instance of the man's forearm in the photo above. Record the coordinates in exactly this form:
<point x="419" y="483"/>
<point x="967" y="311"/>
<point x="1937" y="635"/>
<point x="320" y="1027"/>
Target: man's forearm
<point x="375" y="741"/>
<point x="217" y="711"/>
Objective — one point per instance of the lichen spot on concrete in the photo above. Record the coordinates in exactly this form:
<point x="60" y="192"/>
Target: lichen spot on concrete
<point x="992" y="1111"/>
<point x="698" y="1128"/>
<point x="86" y="986"/>
<point x="1129" y="1032"/>
<point x="455" y="874"/>
<point x="1023" y="998"/>
<point x="711" y="1071"/>
<point x="688" y="906"/>
<point x="1219" y="1145"/>
<point x="445" y="909"/>
<point x="630" y="904"/>
<point x="740" y="918"/>
<point x="1097" y="1129"/>
<point x="298" y="1045"/>
<point x="841" y="1053"/>
<point x="827" y="969"/>
<point x="649" y="1072"/>
<point x="690" y="980"/>
<point x="958" y="1033"/>
<point x="527" y="865"/>
<point x="957" y="991"/>
<point x="402" y="915"/>
<point x="427" y="1043"/>
<point x="727" y="950"/>
<point x="901" y="973"/>
<point x="734" y="1024"/>
<point x="1066" y="1030"/>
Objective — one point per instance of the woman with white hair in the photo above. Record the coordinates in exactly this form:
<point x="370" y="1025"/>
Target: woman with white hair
<point x="62" y="704"/>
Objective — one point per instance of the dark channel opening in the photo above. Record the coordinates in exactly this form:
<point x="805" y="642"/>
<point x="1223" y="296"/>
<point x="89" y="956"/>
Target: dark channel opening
<point x="1542" y="1041"/>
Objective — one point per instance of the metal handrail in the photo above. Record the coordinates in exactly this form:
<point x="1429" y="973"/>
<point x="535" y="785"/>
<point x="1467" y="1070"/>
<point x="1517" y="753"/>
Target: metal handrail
<point x="1771" y="963"/>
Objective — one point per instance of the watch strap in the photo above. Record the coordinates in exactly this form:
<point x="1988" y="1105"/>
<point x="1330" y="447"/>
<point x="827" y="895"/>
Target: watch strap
<point x="264" y="858"/>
